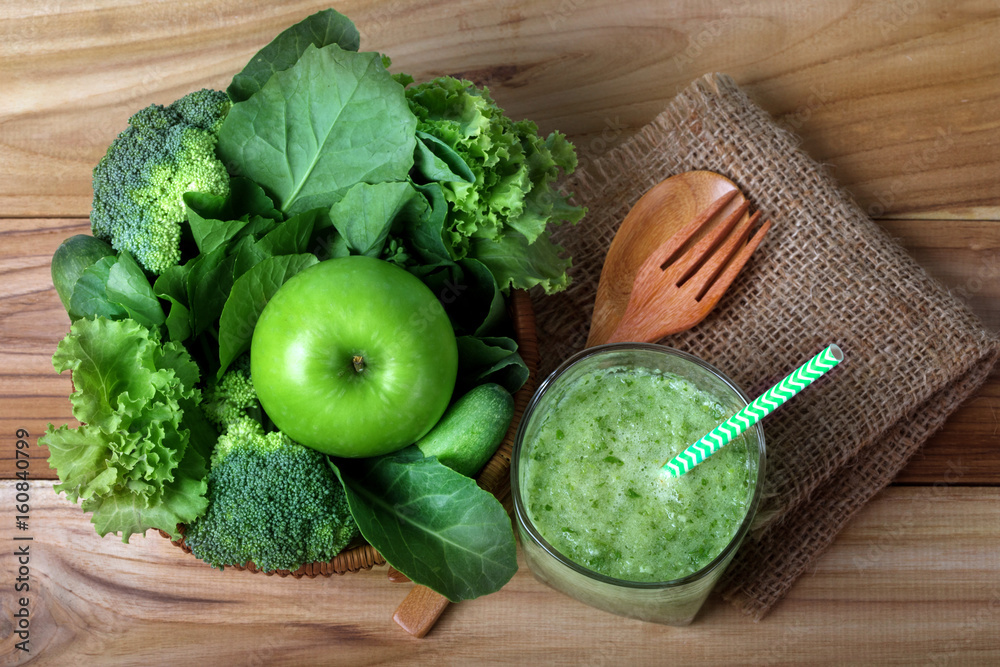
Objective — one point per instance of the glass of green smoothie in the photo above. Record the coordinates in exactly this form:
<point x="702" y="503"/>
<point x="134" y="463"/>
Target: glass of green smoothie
<point x="597" y="517"/>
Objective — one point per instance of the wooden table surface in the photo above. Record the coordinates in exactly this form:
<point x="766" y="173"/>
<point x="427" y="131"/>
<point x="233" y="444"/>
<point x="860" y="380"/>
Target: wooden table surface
<point x="899" y="99"/>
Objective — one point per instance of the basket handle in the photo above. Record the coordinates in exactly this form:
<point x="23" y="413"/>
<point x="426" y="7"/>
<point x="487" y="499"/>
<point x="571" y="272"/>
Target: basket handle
<point x="420" y="610"/>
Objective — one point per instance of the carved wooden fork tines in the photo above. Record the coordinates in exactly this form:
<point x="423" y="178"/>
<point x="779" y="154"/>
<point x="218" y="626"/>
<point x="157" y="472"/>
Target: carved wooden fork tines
<point x="677" y="286"/>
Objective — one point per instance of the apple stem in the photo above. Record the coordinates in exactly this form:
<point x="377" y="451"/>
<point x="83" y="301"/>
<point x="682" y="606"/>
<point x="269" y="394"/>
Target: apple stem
<point x="359" y="363"/>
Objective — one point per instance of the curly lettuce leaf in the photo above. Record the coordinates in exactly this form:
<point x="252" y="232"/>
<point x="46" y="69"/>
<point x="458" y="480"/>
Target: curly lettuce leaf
<point x="511" y="200"/>
<point x="517" y="263"/>
<point x="130" y="462"/>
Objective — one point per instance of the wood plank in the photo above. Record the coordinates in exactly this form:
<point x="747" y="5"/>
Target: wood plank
<point x="32" y="322"/>
<point x="965" y="450"/>
<point x="963" y="254"/>
<point x="926" y="558"/>
<point x="898" y="99"/>
<point x="965" y="257"/>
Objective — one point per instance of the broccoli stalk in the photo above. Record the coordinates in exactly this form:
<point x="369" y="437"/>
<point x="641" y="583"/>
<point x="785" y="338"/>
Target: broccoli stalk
<point x="140" y="183"/>
<point x="271" y="501"/>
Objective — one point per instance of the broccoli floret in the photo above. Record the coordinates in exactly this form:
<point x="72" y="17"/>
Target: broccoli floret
<point x="271" y="502"/>
<point x="140" y="183"/>
<point x="233" y="397"/>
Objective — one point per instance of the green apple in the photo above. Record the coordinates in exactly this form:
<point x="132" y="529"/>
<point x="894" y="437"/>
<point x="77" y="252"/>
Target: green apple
<point x="354" y="357"/>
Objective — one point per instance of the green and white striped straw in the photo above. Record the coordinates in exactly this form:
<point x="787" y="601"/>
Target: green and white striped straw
<point x="746" y="418"/>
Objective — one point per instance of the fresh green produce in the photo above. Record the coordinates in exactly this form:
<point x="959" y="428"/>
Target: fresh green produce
<point x="232" y="399"/>
<point x="360" y="370"/>
<point x="71" y="259"/>
<point x="115" y="287"/>
<point x="271" y="501"/>
<point x="138" y="459"/>
<point x="219" y="204"/>
<point x="501" y="215"/>
<point x="320" y="29"/>
<point x="242" y="238"/>
<point x="431" y="523"/>
<point x="343" y="139"/>
<point x="471" y="429"/>
<point x="140" y="183"/>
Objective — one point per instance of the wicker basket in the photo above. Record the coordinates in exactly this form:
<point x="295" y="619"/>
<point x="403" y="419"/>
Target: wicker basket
<point x="494" y="477"/>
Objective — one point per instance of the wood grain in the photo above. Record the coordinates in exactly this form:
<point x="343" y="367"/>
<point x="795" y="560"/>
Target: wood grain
<point x="420" y="610"/>
<point x="656" y="230"/>
<point x="926" y="558"/>
<point x="32" y="322"/>
<point x="898" y="98"/>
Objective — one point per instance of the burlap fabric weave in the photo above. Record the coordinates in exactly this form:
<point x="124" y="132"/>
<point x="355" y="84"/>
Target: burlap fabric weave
<point x="825" y="273"/>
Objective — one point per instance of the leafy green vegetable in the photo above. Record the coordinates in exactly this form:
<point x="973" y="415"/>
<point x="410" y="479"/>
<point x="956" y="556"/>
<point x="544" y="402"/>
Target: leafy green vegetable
<point x="437" y="161"/>
<point x="431" y="523"/>
<point x="90" y="294"/>
<point x="422" y="228"/>
<point x="249" y="295"/>
<point x="171" y="286"/>
<point x="523" y="265"/>
<point x="129" y="287"/>
<point x="320" y="29"/>
<point x="501" y="215"/>
<point x="366" y="214"/>
<point x="216" y="220"/>
<point x="271" y="501"/>
<point x="132" y="462"/>
<point x="139" y="183"/>
<point x="209" y="279"/>
<point x="293" y="236"/>
<point x="116" y="287"/>
<point x="490" y="359"/>
<point x="480" y="308"/>
<point x="351" y="124"/>
<point x="74" y="256"/>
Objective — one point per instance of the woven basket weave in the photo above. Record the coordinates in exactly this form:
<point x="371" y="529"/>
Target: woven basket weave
<point x="494" y="477"/>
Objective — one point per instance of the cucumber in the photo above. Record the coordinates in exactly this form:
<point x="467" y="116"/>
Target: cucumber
<point x="471" y="429"/>
<point x="71" y="259"/>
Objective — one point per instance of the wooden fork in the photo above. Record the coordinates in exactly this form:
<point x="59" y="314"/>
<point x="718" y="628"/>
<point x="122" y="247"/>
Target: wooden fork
<point x="708" y="229"/>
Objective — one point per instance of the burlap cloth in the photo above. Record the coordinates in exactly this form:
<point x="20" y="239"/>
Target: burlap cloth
<point x="825" y="273"/>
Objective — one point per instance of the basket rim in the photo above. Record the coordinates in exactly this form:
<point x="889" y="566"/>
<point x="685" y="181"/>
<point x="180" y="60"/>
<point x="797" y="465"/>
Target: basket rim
<point x="494" y="477"/>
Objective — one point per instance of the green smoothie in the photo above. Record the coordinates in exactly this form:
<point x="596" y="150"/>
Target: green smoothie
<point x="594" y="487"/>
